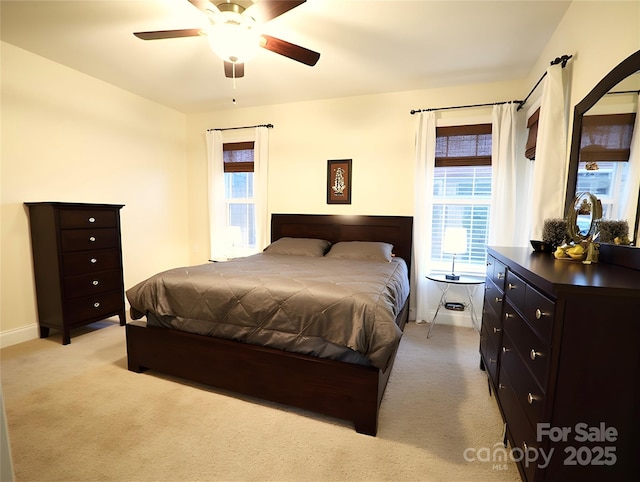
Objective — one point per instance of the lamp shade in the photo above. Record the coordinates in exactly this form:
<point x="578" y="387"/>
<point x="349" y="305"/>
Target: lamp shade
<point x="455" y="240"/>
<point x="235" y="39"/>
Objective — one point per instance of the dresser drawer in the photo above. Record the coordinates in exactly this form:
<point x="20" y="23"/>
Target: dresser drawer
<point x="493" y="297"/>
<point x="524" y="385"/>
<point x="88" y="218"/>
<point x="539" y="312"/>
<point x="85" y="262"/>
<point x="86" y="239"/>
<point x="489" y="344"/>
<point x="497" y="272"/>
<point x="94" y="307"/>
<point x="515" y="290"/>
<point x="533" y="352"/>
<point x="523" y="436"/>
<point x="89" y="284"/>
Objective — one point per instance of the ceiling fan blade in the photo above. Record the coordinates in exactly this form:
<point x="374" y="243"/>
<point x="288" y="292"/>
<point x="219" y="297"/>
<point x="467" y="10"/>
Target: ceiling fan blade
<point x="162" y="34"/>
<point x="292" y="51"/>
<point x="269" y="9"/>
<point x="228" y="70"/>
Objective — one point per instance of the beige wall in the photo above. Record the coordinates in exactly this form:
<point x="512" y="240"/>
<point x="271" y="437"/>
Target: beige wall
<point x="70" y="137"/>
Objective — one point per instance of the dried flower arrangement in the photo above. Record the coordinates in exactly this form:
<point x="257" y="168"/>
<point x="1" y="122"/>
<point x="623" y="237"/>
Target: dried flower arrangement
<point x="554" y="231"/>
<point x="613" y="231"/>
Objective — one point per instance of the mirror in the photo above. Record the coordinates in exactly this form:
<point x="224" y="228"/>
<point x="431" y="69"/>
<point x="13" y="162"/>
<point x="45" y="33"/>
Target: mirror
<point x="583" y="216"/>
<point x="616" y="95"/>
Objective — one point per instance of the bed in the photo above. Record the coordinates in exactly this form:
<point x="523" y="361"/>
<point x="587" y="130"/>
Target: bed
<point x="299" y="375"/>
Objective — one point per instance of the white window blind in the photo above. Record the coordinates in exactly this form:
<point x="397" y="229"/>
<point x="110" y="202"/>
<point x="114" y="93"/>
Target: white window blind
<point x="462" y="194"/>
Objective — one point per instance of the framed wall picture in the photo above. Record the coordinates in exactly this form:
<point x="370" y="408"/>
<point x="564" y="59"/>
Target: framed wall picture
<point x="339" y="181"/>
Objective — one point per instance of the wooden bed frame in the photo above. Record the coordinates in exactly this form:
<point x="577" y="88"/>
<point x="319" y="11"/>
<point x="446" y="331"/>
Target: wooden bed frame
<point x="337" y="389"/>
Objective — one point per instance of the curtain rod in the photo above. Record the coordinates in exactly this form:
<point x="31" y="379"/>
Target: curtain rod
<point x="557" y="60"/>
<point x="464" y="106"/>
<point x="624" y="92"/>
<point x="563" y="60"/>
<point x="268" y="126"/>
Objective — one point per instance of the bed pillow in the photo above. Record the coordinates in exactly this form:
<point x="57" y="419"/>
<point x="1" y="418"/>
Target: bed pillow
<point x="369" y="250"/>
<point x="298" y="246"/>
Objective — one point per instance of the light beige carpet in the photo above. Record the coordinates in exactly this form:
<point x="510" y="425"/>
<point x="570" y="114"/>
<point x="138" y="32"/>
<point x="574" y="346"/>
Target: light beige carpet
<point x="75" y="413"/>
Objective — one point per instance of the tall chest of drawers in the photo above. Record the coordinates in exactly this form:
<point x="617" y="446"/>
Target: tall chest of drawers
<point x="77" y="261"/>
<point x="560" y="348"/>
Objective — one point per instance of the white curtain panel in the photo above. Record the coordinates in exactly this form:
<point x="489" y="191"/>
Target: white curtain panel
<point x="550" y="166"/>
<point x="503" y="225"/>
<point x="629" y="196"/>
<point x="424" y="174"/>
<point x="260" y="186"/>
<point x="215" y="184"/>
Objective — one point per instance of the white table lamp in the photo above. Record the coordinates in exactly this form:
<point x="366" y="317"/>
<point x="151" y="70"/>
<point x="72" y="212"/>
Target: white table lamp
<point x="455" y="242"/>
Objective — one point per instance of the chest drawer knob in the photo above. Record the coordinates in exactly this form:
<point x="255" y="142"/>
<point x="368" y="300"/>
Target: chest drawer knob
<point x="498" y="299"/>
<point x="534" y="354"/>
<point x="501" y="386"/>
<point x="505" y="349"/>
<point x="493" y="360"/>
<point x="94" y="260"/>
<point x="496" y="330"/>
<point x="508" y="316"/>
<point x="92" y="220"/>
<point x="92" y="238"/>
<point x="500" y="275"/>
<point x="540" y="313"/>
<point x="531" y="398"/>
<point x="511" y="286"/>
<point x="95" y="282"/>
<point x="96" y="304"/>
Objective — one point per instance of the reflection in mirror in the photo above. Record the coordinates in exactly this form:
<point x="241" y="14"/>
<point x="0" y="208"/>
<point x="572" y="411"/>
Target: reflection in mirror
<point x="603" y="160"/>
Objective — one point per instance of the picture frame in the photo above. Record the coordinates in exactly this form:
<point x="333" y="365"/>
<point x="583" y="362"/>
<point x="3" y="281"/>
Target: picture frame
<point x="339" y="181"/>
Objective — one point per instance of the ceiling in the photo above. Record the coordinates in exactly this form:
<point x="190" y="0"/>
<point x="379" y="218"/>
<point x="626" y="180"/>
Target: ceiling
<point x="366" y="47"/>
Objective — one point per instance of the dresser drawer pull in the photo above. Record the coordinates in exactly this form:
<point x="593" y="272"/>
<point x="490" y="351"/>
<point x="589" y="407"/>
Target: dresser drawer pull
<point x="489" y="263"/>
<point x="525" y="447"/>
<point x="512" y="286"/>
<point x="505" y="349"/>
<point x="95" y="282"/>
<point x="92" y="220"/>
<point x="92" y="238"/>
<point x="96" y="304"/>
<point x="496" y="330"/>
<point x="534" y="354"/>
<point x="498" y="299"/>
<point x="540" y="314"/>
<point x="500" y="275"/>
<point x="531" y="398"/>
<point x="501" y="386"/>
<point x="492" y="360"/>
<point x="94" y="260"/>
<point x="508" y="315"/>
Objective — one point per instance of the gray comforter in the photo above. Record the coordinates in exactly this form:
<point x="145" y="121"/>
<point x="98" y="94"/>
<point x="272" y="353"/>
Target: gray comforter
<point x="286" y="302"/>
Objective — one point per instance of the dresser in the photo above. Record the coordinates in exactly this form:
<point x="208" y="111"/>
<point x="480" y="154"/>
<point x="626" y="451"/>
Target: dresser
<point x="560" y="345"/>
<point x="77" y="261"/>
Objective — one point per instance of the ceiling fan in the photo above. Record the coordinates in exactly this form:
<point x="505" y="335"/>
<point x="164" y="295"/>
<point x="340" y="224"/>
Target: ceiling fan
<point x="234" y="32"/>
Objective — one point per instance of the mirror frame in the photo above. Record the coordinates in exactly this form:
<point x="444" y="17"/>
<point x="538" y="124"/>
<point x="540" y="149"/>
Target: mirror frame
<point x="623" y="70"/>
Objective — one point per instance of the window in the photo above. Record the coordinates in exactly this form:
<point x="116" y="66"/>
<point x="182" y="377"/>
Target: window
<point x="462" y="193"/>
<point x="239" y="197"/>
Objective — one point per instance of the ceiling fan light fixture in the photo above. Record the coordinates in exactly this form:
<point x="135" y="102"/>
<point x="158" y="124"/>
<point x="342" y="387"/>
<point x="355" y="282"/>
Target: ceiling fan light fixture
<point x="236" y="39"/>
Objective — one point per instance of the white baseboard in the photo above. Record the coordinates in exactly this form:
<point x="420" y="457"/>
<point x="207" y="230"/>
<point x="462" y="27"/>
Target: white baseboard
<point x="19" y="335"/>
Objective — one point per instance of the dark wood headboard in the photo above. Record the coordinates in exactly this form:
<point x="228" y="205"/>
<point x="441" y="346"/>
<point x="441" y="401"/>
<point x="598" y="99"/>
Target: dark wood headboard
<point x="396" y="230"/>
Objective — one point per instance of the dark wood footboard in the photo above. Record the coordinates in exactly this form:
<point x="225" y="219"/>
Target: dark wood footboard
<point x="341" y="390"/>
